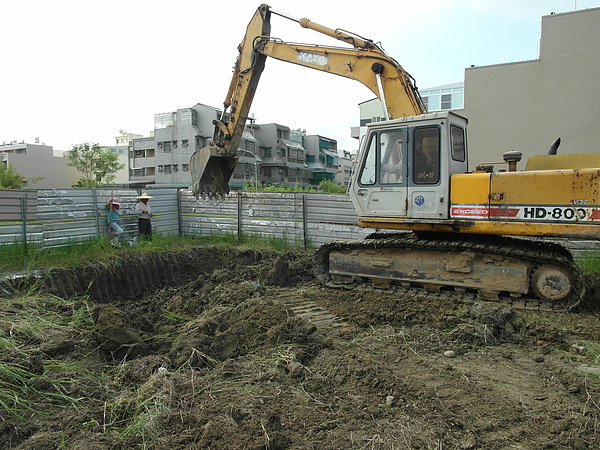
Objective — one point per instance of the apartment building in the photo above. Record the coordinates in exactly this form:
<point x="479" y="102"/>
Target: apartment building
<point x="164" y="158"/>
<point x="283" y="155"/>
<point x="322" y="158"/>
<point x="345" y="168"/>
<point x="268" y="153"/>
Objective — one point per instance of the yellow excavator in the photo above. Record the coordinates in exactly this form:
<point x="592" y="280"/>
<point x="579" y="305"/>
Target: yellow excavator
<point x="447" y="228"/>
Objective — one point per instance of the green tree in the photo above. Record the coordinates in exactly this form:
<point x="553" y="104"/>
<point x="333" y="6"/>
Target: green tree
<point x="10" y="178"/>
<point x="98" y="165"/>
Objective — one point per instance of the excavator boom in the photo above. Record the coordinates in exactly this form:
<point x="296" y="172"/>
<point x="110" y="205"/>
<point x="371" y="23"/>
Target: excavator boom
<point x="213" y="165"/>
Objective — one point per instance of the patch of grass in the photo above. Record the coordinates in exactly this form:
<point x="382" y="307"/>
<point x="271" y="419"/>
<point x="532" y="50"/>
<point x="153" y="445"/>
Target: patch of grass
<point x="25" y="324"/>
<point x="589" y="262"/>
<point x="250" y="241"/>
<point x="13" y="257"/>
<point x="593" y="352"/>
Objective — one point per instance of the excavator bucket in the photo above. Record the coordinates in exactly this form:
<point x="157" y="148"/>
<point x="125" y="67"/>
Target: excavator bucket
<point x="211" y="170"/>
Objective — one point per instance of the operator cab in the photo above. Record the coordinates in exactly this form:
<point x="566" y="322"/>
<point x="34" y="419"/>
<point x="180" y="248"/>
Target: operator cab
<point x="404" y="166"/>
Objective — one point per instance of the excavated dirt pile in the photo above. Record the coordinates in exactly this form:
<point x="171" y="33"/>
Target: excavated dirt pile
<point x="226" y="349"/>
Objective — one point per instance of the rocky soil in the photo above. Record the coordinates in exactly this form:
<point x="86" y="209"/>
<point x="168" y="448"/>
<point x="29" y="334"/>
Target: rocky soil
<point x="249" y="351"/>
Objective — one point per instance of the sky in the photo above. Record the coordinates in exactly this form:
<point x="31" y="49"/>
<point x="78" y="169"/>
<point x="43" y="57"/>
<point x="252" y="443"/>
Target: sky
<point x="75" y="71"/>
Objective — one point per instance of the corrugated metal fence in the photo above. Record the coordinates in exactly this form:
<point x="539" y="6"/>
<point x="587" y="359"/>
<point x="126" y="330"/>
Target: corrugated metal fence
<point x="298" y="217"/>
<point x="56" y="217"/>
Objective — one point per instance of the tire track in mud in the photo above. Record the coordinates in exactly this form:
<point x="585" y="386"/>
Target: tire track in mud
<point x="311" y="312"/>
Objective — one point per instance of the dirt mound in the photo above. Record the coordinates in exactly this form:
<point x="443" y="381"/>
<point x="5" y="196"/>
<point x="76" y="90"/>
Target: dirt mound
<point x="250" y="352"/>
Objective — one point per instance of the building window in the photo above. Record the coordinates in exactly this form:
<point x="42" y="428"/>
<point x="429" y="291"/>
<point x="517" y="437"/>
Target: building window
<point x="443" y="99"/>
<point x="184" y="143"/>
<point x="167" y="170"/>
<point x="458" y="101"/>
<point x="446" y="101"/>
<point x="165" y="120"/>
<point x="185" y="167"/>
<point x="189" y="117"/>
<point x="167" y="146"/>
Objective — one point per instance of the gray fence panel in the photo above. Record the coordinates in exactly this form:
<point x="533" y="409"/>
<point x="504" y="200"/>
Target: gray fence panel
<point x="321" y="233"/>
<point x="275" y="205"/>
<point x="330" y="208"/>
<point x="10" y="204"/>
<point x="205" y="217"/>
<point x="165" y="207"/>
<point x="209" y="225"/>
<point x="10" y="234"/>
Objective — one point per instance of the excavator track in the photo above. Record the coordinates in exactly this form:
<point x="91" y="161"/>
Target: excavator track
<point x="523" y="273"/>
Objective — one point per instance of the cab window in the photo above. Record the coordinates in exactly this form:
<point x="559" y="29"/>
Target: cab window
<point x="426" y="156"/>
<point x="391" y="154"/>
<point x="367" y="173"/>
<point x="457" y="142"/>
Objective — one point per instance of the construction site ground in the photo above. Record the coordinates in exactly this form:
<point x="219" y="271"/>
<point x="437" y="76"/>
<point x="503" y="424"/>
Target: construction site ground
<point x="249" y="351"/>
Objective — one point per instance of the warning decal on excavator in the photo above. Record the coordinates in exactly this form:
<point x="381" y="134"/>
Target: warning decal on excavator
<point x="550" y="213"/>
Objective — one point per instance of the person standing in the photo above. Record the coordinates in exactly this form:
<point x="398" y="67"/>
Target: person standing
<point x="113" y="220"/>
<point x="144" y="211"/>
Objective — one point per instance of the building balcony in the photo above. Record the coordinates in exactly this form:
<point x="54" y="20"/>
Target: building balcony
<point x="138" y="163"/>
<point x="142" y="178"/>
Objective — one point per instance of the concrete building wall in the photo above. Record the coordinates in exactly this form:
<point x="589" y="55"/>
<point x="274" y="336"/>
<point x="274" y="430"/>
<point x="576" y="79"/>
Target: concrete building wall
<point x="122" y="175"/>
<point x="370" y="111"/>
<point x="33" y="161"/>
<point x="525" y="106"/>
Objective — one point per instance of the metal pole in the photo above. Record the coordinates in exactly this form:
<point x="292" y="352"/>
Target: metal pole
<point x="95" y="196"/>
<point x="179" y="214"/>
<point x="239" y="215"/>
<point x="24" y="230"/>
<point x="304" y="222"/>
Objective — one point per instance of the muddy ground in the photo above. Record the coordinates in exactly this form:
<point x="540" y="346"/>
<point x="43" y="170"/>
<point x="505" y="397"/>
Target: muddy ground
<point x="251" y="352"/>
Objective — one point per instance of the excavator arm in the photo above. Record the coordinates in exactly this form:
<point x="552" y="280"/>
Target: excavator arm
<point x="213" y="165"/>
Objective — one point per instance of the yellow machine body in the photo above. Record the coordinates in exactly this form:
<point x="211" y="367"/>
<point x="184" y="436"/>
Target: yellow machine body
<point x="563" y="203"/>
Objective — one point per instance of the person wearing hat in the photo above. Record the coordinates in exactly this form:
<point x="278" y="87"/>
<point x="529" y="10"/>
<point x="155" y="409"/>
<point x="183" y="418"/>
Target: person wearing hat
<point x="144" y="211"/>
<point x="113" y="220"/>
